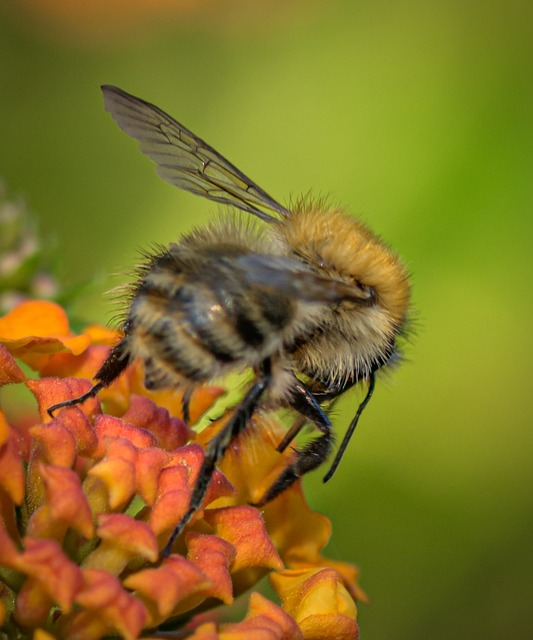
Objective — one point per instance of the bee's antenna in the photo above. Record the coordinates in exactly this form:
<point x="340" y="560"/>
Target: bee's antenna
<point x="351" y="428"/>
<point x="72" y="403"/>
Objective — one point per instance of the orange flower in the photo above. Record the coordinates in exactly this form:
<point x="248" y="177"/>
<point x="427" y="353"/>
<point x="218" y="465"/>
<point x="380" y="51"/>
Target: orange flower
<point x="88" y="500"/>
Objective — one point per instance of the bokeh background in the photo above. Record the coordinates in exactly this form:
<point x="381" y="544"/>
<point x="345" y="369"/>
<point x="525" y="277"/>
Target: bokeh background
<point x="419" y="116"/>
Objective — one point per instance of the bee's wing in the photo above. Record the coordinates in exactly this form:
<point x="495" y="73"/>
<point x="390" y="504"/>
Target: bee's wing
<point x="183" y="159"/>
<point x="291" y="277"/>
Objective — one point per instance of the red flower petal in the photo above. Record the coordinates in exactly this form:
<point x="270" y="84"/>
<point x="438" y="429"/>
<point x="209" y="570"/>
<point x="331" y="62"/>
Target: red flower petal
<point x="170" y="432"/>
<point x="76" y="421"/>
<point x="50" y="391"/>
<point x="108" y="609"/>
<point x="107" y="426"/>
<point x="165" y="587"/>
<point x="59" y="577"/>
<point x="66" y="506"/>
<point x="58" y="445"/>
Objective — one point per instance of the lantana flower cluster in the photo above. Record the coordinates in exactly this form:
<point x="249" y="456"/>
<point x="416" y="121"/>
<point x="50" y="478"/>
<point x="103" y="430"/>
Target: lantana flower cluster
<point x="89" y="498"/>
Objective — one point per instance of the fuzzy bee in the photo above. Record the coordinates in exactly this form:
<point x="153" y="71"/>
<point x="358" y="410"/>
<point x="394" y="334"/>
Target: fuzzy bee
<point x="309" y="299"/>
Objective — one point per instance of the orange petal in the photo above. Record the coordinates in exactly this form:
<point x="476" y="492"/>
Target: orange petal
<point x="101" y="335"/>
<point x="9" y="524"/>
<point x="32" y="604"/>
<point x="164" y="587"/>
<point x="34" y="318"/>
<point x="171" y="433"/>
<point x="201" y="399"/>
<point x="75" y="420"/>
<point x="107" y="426"/>
<point x="214" y="557"/>
<point x="50" y="391"/>
<point x="8" y="550"/>
<point x="192" y="456"/>
<point x="148" y="467"/>
<point x="172" y="502"/>
<point x="347" y="571"/>
<point x="66" y="506"/>
<point x="83" y="365"/>
<point x="244" y="528"/>
<point x="108" y="609"/>
<point x="60" y="578"/>
<point x="10" y="372"/>
<point x="319" y="603"/>
<point x="5" y="429"/>
<point x="11" y="464"/>
<point x="265" y="621"/>
<point x="123" y="538"/>
<point x="39" y="634"/>
<point x="35" y="329"/>
<point x="118" y="476"/>
<point x="57" y="443"/>
<point x="175" y="489"/>
<point x="298" y="533"/>
<point x="206" y="631"/>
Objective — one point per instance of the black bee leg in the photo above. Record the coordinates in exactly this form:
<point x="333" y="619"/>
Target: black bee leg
<point x="313" y="454"/>
<point x="305" y="403"/>
<point x="113" y="366"/>
<point x="185" y="405"/>
<point x="351" y="428"/>
<point x="218" y="446"/>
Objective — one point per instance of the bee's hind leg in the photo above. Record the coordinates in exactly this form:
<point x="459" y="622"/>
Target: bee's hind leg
<point x="218" y="445"/>
<point x="314" y="453"/>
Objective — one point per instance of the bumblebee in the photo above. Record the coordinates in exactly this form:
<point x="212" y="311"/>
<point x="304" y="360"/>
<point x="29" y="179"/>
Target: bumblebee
<point x="308" y="298"/>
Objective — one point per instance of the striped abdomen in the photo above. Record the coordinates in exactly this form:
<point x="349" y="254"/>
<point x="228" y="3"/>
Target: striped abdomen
<point x="195" y="314"/>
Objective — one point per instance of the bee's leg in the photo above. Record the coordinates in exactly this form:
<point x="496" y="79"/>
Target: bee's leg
<point x="313" y="454"/>
<point x="306" y="404"/>
<point x="113" y="366"/>
<point x="185" y="405"/>
<point x="218" y="445"/>
<point x="351" y="428"/>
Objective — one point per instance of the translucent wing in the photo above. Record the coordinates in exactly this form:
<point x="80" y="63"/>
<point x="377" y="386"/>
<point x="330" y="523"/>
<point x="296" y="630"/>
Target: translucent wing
<point x="289" y="276"/>
<point x="183" y="159"/>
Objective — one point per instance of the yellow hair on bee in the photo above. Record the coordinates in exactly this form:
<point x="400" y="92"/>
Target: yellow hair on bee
<point x="353" y="337"/>
<point x="346" y="248"/>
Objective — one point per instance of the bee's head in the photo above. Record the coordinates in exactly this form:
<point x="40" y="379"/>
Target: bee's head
<point x="342" y="248"/>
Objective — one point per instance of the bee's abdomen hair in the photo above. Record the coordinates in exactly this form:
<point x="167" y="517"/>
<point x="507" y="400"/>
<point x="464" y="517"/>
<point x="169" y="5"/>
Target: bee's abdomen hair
<point x="194" y="327"/>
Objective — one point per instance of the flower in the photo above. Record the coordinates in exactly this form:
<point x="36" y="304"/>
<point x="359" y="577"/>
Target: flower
<point x="89" y="498"/>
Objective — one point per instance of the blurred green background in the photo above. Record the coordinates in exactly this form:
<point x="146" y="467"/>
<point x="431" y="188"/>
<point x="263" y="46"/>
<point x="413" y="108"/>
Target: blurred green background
<point x="417" y="115"/>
